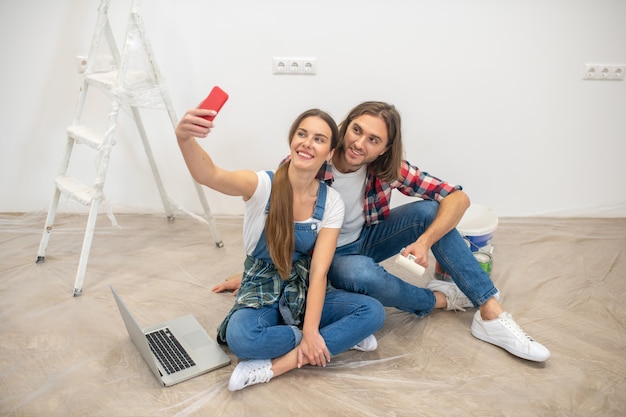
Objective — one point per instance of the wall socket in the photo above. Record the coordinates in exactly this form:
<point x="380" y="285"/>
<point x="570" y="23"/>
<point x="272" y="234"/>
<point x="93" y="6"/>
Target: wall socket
<point x="294" y="66"/>
<point x="605" y="72"/>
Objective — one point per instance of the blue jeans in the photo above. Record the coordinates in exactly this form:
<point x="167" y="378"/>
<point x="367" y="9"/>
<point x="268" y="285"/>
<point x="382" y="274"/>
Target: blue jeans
<point x="347" y="319"/>
<point x="355" y="265"/>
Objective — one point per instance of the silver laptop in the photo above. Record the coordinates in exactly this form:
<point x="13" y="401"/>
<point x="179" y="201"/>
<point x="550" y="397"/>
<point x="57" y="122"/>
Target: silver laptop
<point x="175" y="350"/>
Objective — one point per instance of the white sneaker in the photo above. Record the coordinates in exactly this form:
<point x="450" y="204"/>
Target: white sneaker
<point x="506" y="333"/>
<point x="454" y="296"/>
<point x="368" y="344"/>
<point x="251" y="372"/>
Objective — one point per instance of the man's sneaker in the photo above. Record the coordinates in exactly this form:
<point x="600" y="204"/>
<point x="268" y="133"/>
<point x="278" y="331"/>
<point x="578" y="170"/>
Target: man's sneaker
<point x="506" y="333"/>
<point x="368" y="344"/>
<point x="251" y="372"/>
<point x="455" y="298"/>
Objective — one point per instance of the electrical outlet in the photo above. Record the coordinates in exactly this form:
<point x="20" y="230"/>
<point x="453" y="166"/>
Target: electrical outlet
<point x="604" y="72"/>
<point x="294" y="66"/>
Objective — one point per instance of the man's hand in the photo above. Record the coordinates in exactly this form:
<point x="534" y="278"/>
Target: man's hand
<point x="420" y="251"/>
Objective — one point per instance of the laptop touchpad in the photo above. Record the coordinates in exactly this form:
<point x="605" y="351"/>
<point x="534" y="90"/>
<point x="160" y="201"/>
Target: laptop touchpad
<point x="196" y="339"/>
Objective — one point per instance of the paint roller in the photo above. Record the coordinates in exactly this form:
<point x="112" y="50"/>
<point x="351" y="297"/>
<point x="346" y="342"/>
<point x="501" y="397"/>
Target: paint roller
<point x="408" y="263"/>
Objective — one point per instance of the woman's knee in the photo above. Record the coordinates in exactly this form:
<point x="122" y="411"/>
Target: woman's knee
<point x="245" y="327"/>
<point x="240" y="338"/>
<point x="375" y="312"/>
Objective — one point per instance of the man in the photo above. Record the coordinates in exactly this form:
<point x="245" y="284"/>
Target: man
<point x="366" y="167"/>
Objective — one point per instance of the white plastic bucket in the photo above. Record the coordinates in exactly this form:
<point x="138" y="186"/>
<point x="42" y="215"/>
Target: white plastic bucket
<point x="477" y="227"/>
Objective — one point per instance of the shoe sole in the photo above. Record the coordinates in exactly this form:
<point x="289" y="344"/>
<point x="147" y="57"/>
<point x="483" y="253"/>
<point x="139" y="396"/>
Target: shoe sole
<point x="485" y="338"/>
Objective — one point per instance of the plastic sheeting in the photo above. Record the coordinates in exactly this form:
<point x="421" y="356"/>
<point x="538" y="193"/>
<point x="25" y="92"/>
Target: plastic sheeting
<point x="142" y="84"/>
<point x="562" y="279"/>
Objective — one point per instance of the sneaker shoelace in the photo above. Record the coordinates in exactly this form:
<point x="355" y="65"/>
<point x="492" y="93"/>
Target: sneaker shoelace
<point x="454" y="301"/>
<point x="258" y="375"/>
<point x="515" y="328"/>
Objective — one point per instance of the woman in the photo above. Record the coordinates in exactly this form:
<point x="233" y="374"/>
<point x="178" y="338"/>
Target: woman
<point x="285" y="315"/>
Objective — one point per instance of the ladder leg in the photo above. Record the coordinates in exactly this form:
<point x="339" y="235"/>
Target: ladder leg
<point x="52" y="210"/>
<point x="155" y="172"/>
<point x="209" y="217"/>
<point x="41" y="253"/>
<point x="103" y="164"/>
<point x="84" y="254"/>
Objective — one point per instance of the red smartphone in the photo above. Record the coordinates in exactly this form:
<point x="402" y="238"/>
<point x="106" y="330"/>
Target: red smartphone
<point x="214" y="101"/>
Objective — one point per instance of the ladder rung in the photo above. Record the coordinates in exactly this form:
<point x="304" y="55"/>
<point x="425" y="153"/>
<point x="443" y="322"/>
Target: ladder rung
<point x="75" y="189"/>
<point x="85" y="135"/>
<point x="139" y="90"/>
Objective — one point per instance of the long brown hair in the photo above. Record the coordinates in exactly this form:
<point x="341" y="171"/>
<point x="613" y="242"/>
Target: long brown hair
<point x="387" y="165"/>
<point x="279" y="230"/>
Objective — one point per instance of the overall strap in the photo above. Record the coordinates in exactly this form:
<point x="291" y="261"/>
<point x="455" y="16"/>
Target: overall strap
<point x="271" y="175"/>
<point x="320" y="205"/>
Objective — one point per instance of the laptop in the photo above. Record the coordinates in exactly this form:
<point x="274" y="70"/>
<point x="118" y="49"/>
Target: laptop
<point x="175" y="350"/>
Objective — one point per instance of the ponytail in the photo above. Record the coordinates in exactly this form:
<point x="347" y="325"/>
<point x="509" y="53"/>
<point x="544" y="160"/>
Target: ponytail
<point x="279" y="231"/>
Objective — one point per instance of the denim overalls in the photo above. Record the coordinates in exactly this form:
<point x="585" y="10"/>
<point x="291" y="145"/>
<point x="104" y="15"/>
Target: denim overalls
<point x="305" y="233"/>
<point x="267" y="316"/>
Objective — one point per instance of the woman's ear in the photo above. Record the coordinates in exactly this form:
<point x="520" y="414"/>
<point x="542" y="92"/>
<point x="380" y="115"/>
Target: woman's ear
<point x="330" y="155"/>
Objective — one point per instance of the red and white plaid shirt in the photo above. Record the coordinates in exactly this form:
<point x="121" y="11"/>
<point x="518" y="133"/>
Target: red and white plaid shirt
<point x="412" y="182"/>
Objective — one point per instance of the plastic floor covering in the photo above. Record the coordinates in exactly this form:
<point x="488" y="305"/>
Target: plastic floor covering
<point x="563" y="279"/>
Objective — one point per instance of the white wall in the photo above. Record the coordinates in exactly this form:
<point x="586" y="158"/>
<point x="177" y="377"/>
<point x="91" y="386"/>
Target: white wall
<point x="490" y="92"/>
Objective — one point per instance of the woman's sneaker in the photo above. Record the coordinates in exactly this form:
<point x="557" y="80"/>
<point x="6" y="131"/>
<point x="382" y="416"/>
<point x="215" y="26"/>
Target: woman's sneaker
<point x="368" y="344"/>
<point x="507" y="334"/>
<point x="251" y="372"/>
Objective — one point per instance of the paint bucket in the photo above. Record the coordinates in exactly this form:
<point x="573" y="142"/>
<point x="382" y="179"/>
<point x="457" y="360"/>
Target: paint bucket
<point x="477" y="227"/>
<point x="484" y="259"/>
<point x="441" y="274"/>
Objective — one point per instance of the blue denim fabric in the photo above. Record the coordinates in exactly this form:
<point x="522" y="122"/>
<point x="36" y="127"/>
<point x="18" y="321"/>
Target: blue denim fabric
<point x="355" y="265"/>
<point x="262" y="333"/>
<point x="347" y="319"/>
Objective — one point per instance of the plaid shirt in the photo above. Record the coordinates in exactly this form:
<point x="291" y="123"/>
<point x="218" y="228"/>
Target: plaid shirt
<point x="262" y="286"/>
<point x="412" y="182"/>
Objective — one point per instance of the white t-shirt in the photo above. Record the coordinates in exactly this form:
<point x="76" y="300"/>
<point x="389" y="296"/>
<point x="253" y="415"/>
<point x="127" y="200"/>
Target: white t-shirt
<point x="254" y="217"/>
<point x="351" y="187"/>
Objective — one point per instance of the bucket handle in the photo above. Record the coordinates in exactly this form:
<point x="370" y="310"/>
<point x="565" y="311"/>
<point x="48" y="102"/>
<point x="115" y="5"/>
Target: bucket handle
<point x="478" y="248"/>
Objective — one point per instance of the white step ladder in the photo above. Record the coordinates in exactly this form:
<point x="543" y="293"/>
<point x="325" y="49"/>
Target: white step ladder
<point x="125" y="85"/>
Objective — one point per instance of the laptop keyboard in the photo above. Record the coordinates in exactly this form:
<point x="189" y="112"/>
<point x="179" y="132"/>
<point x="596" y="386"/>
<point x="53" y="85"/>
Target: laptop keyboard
<point x="168" y="351"/>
